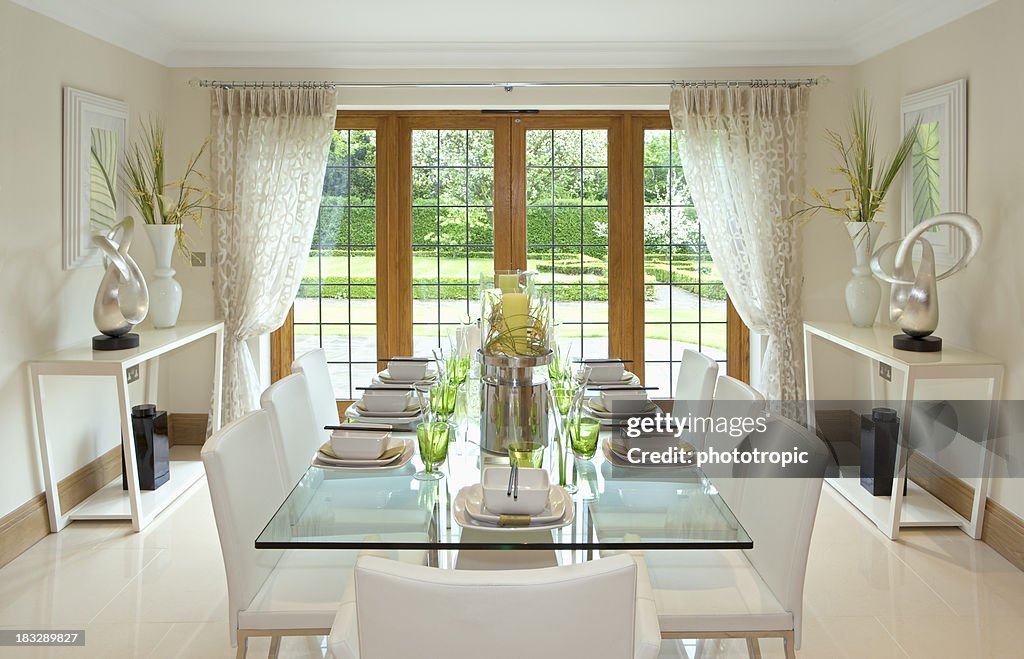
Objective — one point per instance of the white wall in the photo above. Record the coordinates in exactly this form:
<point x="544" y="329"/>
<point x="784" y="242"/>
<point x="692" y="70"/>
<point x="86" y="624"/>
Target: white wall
<point x="43" y="307"/>
<point x="983" y="307"/>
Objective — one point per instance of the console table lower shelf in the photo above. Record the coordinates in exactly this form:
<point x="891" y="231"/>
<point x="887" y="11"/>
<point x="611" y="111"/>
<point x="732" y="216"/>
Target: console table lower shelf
<point x="113" y="502"/>
<point x="919" y="508"/>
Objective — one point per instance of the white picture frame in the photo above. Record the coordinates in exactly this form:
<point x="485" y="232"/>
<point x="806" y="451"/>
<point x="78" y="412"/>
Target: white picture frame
<point x="935" y="178"/>
<point x="88" y="116"/>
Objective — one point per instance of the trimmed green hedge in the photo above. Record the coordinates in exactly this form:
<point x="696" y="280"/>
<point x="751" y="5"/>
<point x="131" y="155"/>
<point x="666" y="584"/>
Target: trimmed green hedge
<point x="336" y="288"/>
<point x="685" y="276"/>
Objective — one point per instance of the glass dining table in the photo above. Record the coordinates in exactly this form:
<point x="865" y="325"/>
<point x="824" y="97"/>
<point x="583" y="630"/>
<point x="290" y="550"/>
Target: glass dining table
<point x="616" y="507"/>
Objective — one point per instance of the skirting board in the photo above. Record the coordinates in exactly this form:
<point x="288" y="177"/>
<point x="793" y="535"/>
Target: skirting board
<point x="29" y="523"/>
<point x="186" y="429"/>
<point x="1002" y="530"/>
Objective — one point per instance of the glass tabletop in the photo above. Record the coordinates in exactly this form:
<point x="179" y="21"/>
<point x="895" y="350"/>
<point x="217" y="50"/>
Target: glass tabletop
<point x="616" y="507"/>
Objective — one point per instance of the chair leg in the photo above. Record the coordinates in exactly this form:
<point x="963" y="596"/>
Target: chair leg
<point x="275" y="647"/>
<point x="787" y="643"/>
<point x="241" y="640"/>
<point x="753" y="648"/>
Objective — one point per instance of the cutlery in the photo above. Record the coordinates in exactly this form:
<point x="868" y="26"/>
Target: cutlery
<point x="511" y="476"/>
<point x="374" y="427"/>
<point x="395" y="388"/>
<point x="612" y="387"/>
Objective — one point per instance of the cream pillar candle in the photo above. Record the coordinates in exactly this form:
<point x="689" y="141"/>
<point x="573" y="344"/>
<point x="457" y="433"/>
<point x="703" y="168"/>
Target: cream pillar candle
<point x="508" y="283"/>
<point x="515" y="309"/>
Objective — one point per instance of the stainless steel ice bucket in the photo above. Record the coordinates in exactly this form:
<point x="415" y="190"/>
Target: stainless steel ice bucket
<point x="515" y="401"/>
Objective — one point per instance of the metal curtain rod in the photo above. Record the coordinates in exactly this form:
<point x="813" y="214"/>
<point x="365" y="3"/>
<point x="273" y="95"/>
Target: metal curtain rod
<point x="507" y="86"/>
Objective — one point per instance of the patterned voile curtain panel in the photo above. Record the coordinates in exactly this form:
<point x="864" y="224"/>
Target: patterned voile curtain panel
<point x="269" y="156"/>
<point x="743" y="150"/>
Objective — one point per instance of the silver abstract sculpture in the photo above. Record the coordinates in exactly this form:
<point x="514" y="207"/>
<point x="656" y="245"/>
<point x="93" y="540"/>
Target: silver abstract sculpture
<point x="122" y="300"/>
<point x="914" y="302"/>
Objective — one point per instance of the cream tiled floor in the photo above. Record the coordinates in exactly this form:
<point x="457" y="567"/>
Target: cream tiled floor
<point x="161" y="593"/>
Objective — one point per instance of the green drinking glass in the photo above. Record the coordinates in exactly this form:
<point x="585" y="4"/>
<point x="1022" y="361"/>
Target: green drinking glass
<point x="434" y="437"/>
<point x="583" y="433"/>
<point x="563" y="398"/>
<point x="442" y="398"/>
<point x="528" y="455"/>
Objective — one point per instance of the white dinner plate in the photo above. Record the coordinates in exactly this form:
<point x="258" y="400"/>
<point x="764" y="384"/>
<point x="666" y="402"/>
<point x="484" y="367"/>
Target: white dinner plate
<point x="396" y="423"/>
<point x="599" y="411"/>
<point x="385" y="378"/>
<point x="464" y="519"/>
<point x="414" y="409"/>
<point x="627" y="378"/>
<point x="326" y="462"/>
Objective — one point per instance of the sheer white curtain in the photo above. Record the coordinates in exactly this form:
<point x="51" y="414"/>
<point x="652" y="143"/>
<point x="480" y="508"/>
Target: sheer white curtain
<point x="742" y="148"/>
<point x="269" y="156"/>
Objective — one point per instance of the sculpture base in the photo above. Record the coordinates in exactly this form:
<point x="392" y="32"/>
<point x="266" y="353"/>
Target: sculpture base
<point x="917" y="344"/>
<point x="123" y="342"/>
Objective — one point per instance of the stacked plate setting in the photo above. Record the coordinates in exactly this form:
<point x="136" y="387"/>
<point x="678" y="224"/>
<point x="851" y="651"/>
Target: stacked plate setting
<point x="488" y="505"/>
<point x="616" y="406"/>
<point x="605" y="372"/>
<point x="617" y="447"/>
<point x="406" y="371"/>
<point x="391" y="399"/>
<point x="362" y="449"/>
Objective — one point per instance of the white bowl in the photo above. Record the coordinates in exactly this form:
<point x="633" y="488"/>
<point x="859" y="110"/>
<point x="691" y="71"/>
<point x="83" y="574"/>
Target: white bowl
<point x="606" y="371"/>
<point x="534" y="491"/>
<point x="625" y="402"/>
<point x="386" y="400"/>
<point x="401" y="370"/>
<point x="359" y="444"/>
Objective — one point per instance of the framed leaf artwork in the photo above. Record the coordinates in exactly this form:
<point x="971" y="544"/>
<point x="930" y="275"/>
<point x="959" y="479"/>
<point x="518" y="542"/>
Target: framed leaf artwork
<point x="935" y="176"/>
<point x="95" y="130"/>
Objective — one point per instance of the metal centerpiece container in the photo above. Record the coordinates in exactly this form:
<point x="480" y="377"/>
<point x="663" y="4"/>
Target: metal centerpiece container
<point x="515" y="329"/>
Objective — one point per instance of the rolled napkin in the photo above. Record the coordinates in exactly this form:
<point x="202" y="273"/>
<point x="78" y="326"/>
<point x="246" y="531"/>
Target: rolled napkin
<point x="514" y="520"/>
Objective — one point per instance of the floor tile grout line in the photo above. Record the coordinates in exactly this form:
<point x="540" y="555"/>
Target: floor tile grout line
<point x="138" y="575"/>
<point x="892" y="636"/>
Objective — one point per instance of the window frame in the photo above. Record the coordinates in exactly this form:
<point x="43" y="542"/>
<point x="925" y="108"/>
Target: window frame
<point x="625" y="221"/>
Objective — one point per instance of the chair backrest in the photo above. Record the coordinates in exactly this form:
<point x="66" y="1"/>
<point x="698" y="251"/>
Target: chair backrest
<point x="296" y="434"/>
<point x="246" y="489"/>
<point x="778" y="508"/>
<point x="313" y="365"/>
<point x="695" y="388"/>
<point x="583" y="610"/>
<point x="734" y="400"/>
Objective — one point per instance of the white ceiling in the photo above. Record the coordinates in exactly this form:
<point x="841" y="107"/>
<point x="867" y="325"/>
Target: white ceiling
<point x="522" y="34"/>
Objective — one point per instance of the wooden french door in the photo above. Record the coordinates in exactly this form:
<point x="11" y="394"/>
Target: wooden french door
<point x="417" y="204"/>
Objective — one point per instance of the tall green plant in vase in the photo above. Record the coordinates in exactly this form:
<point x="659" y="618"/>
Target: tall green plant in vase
<point x="868" y="179"/>
<point x="164" y="206"/>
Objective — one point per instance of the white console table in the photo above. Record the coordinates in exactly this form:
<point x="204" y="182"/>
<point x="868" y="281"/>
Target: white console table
<point x="111" y="501"/>
<point x="874" y="344"/>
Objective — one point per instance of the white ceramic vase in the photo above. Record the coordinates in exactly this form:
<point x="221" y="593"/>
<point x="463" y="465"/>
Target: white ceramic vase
<point x="164" y="290"/>
<point x="863" y="293"/>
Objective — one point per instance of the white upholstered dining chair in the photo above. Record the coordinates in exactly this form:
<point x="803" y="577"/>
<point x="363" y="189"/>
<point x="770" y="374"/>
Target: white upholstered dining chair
<point x="270" y="592"/>
<point x="733" y="400"/>
<point x="694" y="390"/>
<point x="296" y="433"/>
<point x="313" y="365"/>
<point x="593" y="609"/>
<point x="753" y="593"/>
